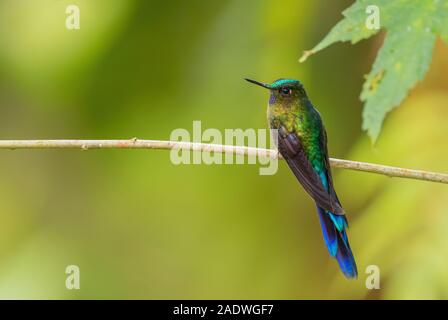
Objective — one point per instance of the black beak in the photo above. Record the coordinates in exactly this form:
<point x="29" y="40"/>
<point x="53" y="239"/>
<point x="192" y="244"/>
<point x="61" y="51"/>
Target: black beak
<point x="264" y="85"/>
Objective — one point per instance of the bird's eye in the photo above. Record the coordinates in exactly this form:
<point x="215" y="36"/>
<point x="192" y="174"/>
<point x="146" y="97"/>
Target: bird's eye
<point x="285" y="91"/>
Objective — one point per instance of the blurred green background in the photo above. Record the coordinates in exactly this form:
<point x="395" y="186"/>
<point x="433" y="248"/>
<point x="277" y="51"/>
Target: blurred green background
<point x="139" y="226"/>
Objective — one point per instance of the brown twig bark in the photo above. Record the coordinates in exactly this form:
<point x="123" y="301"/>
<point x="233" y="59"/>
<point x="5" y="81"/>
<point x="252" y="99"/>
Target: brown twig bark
<point x="203" y="147"/>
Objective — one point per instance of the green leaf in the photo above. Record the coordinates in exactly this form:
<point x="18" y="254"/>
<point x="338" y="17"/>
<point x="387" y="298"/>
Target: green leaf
<point x="403" y="60"/>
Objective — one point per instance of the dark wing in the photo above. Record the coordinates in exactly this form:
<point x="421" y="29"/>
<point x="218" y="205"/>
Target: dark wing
<point x="333" y="195"/>
<point x="290" y="147"/>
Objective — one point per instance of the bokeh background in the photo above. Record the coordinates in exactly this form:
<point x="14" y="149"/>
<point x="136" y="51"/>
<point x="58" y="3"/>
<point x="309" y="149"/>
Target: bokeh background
<point x="139" y="226"/>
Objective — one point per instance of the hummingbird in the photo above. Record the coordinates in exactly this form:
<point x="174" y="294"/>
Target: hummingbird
<point x="302" y="142"/>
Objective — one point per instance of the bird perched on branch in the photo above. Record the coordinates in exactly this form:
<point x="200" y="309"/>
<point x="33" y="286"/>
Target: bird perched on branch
<point x="302" y="141"/>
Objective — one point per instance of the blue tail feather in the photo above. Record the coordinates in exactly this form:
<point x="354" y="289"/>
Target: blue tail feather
<point x="339" y="221"/>
<point x="335" y="236"/>
<point x="329" y="232"/>
<point x="345" y="257"/>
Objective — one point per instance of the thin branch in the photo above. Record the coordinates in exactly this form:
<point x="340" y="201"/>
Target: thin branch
<point x="203" y="147"/>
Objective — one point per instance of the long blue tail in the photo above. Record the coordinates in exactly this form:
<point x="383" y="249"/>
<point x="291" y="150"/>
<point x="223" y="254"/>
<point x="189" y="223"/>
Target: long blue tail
<point x="335" y="236"/>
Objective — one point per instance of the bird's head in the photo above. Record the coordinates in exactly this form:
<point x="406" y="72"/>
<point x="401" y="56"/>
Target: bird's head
<point x="283" y="91"/>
